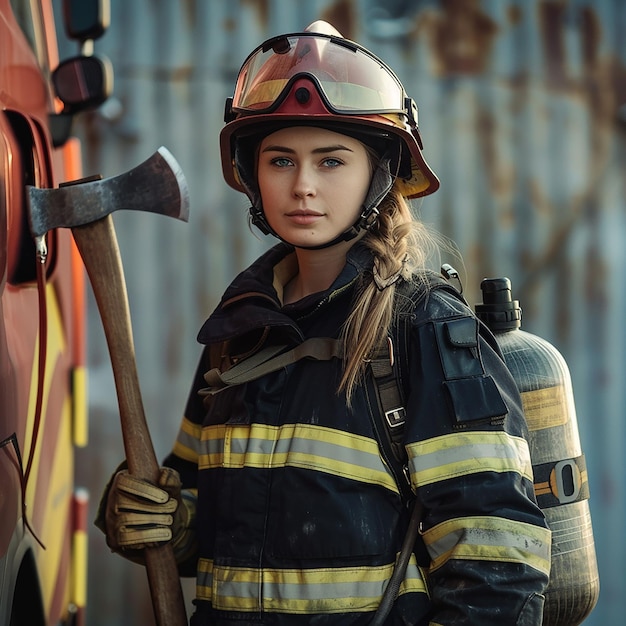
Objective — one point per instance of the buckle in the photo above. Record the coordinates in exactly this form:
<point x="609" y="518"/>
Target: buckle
<point x="395" y="417"/>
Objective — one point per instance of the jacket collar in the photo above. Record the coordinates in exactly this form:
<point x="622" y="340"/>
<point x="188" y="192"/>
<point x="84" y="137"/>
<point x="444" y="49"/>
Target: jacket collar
<point x="253" y="301"/>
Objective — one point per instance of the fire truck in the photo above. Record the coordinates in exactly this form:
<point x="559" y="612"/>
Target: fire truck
<point x="43" y="415"/>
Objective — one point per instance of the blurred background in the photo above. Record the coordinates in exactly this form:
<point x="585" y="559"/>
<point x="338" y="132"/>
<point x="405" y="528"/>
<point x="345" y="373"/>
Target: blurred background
<point x="522" y="109"/>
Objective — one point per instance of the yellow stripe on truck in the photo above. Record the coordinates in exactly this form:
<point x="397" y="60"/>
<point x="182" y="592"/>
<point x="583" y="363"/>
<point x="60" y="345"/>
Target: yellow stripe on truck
<point x="79" y="410"/>
<point x="79" y="549"/>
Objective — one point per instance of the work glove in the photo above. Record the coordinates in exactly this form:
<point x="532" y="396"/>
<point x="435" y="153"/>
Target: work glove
<point x="135" y="514"/>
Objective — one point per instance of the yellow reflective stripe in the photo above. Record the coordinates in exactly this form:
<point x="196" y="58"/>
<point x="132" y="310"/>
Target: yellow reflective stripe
<point x="300" y="591"/>
<point x="296" y="445"/>
<point x="459" y="454"/>
<point x="187" y="444"/>
<point x="489" y="539"/>
<point x="204" y="580"/>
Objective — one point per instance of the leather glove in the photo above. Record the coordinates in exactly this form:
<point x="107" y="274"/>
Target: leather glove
<point x="139" y="514"/>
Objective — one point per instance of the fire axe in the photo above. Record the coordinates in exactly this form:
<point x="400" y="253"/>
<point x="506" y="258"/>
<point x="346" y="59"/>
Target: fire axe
<point x="157" y="185"/>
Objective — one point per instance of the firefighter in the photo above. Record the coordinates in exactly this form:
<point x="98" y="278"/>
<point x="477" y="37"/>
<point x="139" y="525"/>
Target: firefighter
<point x="278" y="496"/>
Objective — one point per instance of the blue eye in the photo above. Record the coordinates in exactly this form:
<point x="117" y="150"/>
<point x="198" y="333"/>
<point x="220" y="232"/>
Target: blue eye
<point x="281" y="162"/>
<point x="332" y="162"/>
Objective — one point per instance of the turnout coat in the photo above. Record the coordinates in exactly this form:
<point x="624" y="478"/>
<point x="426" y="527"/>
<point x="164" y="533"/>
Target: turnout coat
<point x="299" y="518"/>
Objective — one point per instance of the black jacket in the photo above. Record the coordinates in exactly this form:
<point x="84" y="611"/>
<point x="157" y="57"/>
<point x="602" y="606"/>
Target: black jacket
<point x="299" y="518"/>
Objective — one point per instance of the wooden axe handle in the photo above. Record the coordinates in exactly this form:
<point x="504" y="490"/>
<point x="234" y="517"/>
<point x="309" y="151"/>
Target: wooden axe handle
<point x="98" y="247"/>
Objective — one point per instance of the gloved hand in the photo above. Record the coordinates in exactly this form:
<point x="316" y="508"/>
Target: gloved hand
<point x="138" y="514"/>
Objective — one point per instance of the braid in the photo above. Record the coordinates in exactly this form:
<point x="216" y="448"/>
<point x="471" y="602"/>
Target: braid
<point x="372" y="314"/>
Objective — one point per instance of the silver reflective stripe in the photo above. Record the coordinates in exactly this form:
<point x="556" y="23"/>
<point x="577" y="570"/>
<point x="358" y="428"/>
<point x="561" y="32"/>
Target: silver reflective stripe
<point x="460" y="454"/>
<point x="489" y="539"/>
<point x="295" y="445"/>
<point x="187" y="444"/>
<point x="300" y="591"/>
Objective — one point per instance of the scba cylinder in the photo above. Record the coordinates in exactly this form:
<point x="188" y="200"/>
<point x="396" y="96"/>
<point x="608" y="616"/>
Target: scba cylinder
<point x="560" y="475"/>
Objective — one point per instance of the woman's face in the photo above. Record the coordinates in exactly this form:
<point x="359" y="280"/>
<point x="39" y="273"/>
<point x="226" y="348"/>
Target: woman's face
<point x="313" y="183"/>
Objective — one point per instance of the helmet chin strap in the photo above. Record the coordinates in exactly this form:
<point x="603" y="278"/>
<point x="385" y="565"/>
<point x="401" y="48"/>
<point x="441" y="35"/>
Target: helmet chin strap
<point x="380" y="185"/>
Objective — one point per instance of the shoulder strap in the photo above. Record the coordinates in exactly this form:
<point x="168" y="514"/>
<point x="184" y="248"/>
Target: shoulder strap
<point x="389" y="367"/>
<point x="390" y="419"/>
<point x="388" y="410"/>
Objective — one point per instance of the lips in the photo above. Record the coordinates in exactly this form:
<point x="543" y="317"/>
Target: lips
<point x="303" y="217"/>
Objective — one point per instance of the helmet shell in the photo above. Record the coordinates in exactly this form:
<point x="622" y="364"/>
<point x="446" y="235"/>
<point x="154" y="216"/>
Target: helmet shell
<point x="302" y="102"/>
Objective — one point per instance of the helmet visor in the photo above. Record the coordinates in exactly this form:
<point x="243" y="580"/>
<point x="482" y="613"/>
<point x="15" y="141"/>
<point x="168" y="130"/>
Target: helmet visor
<point x="350" y="79"/>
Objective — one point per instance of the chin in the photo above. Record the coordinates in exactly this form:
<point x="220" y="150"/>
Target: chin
<point x="302" y="239"/>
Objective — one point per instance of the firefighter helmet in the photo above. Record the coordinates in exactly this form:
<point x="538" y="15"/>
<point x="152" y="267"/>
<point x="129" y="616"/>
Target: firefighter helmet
<point x="317" y="77"/>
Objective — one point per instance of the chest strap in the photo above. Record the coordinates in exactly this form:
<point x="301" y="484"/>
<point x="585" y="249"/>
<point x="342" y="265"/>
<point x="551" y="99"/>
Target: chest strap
<point x="271" y="359"/>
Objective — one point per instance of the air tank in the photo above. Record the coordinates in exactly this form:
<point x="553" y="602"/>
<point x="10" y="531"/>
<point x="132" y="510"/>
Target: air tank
<point x="560" y="475"/>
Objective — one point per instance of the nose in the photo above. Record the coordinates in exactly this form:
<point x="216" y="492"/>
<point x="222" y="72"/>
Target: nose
<point x="304" y="185"/>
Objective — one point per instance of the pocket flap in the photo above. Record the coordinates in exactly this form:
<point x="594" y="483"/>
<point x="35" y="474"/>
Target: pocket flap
<point x="463" y="332"/>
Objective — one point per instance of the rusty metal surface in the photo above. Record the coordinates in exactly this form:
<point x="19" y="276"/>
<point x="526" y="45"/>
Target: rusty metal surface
<point x="522" y="108"/>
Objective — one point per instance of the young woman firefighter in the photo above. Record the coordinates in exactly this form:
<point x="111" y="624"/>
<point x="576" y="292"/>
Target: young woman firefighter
<point x="289" y="511"/>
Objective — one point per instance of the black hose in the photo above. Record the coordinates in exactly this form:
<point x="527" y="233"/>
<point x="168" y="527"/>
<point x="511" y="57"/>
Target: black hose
<point x="393" y="586"/>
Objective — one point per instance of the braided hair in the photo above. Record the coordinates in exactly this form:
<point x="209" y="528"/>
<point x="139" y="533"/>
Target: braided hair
<point x="401" y="247"/>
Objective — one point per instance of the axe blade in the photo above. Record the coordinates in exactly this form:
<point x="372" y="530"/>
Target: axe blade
<point x="157" y="185"/>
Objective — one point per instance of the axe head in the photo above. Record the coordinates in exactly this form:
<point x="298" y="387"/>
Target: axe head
<point x="157" y="185"/>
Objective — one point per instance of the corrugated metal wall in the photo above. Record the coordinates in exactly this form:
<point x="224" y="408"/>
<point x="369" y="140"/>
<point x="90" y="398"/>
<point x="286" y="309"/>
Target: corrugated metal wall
<point x="523" y="115"/>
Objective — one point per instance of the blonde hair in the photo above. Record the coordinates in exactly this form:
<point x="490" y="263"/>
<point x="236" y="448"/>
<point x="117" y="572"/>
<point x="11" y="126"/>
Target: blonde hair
<point x="401" y="247"/>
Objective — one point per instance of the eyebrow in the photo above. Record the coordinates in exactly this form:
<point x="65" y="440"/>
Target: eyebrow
<point x="323" y="150"/>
